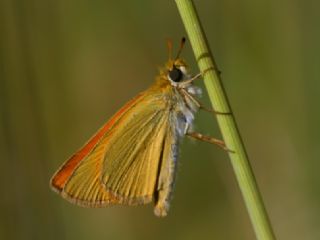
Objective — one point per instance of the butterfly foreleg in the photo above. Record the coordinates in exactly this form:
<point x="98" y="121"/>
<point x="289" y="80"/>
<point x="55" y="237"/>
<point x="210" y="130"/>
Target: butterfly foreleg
<point x="200" y="105"/>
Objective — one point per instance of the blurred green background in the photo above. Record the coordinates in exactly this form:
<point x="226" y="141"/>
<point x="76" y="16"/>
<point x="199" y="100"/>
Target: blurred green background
<point x="67" y="66"/>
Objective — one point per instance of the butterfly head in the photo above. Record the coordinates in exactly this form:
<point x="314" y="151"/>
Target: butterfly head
<point x="176" y="68"/>
<point x="177" y="71"/>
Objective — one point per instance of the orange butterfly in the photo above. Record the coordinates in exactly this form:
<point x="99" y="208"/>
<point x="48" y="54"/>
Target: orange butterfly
<point x="132" y="159"/>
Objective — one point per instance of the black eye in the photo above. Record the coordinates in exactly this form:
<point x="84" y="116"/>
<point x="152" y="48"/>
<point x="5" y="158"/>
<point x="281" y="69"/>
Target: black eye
<point x="175" y="74"/>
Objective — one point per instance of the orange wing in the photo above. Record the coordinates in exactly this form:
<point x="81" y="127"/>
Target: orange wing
<point x="62" y="176"/>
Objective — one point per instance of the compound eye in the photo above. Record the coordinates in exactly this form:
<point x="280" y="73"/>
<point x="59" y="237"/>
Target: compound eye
<point x="175" y="74"/>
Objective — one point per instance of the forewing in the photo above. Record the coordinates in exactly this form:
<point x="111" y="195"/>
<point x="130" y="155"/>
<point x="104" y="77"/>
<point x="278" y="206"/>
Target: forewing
<point x="121" y="168"/>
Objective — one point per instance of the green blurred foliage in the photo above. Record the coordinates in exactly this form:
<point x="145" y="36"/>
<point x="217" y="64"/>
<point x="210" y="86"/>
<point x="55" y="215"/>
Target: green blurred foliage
<point x="67" y="66"/>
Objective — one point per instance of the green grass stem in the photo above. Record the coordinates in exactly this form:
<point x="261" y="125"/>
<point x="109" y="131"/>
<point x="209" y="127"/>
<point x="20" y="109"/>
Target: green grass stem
<point x="227" y="123"/>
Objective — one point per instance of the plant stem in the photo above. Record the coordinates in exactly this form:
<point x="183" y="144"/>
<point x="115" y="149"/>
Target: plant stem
<point x="227" y="123"/>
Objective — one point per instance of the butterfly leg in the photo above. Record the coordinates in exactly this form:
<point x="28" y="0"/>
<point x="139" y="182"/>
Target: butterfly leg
<point x="200" y="105"/>
<point x="209" y="139"/>
<point x="201" y="74"/>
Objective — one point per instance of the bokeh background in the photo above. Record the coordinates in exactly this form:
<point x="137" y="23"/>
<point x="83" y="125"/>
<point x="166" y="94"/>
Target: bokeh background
<point x="67" y="66"/>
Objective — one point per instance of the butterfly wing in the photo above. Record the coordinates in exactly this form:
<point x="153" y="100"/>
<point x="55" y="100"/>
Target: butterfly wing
<point x="128" y="163"/>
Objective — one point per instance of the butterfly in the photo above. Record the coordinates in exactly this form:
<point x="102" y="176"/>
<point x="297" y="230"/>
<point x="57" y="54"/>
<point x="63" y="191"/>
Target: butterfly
<point x="132" y="159"/>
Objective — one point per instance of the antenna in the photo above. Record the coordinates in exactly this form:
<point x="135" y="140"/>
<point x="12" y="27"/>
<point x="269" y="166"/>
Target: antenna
<point x="182" y="43"/>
